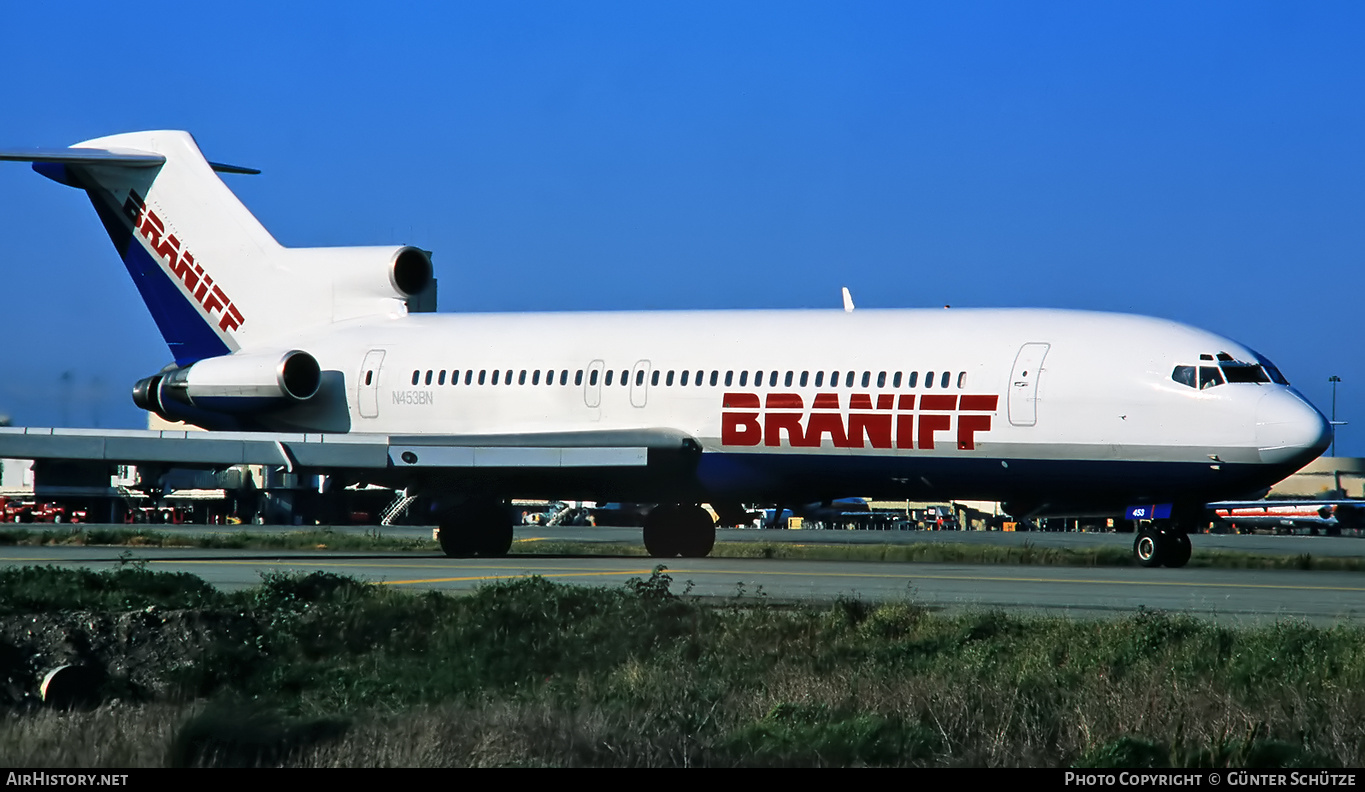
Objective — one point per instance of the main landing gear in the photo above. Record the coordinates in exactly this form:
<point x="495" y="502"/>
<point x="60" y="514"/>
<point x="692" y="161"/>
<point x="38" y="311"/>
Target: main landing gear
<point x="1162" y="543"/>
<point x="476" y="528"/>
<point x="679" y="529"/>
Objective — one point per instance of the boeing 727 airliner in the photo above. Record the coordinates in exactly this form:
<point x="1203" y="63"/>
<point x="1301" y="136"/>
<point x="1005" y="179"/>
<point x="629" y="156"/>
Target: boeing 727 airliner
<point x="322" y="360"/>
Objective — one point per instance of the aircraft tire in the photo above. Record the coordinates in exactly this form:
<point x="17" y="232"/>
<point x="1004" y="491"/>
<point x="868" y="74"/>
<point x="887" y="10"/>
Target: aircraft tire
<point x="658" y="542"/>
<point x="456" y="540"/>
<point x="1149" y="547"/>
<point x="661" y="532"/>
<point x="1178" y="549"/>
<point x="496" y="540"/>
<point x="698" y="536"/>
<point x="482" y="528"/>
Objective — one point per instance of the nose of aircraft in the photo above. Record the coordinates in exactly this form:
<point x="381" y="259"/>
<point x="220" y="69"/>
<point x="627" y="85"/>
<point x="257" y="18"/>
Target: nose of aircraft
<point x="1289" y="429"/>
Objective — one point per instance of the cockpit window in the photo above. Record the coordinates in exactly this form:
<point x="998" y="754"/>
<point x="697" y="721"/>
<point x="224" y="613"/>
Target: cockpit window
<point x="1270" y="369"/>
<point x="1244" y="372"/>
<point x="1215" y="371"/>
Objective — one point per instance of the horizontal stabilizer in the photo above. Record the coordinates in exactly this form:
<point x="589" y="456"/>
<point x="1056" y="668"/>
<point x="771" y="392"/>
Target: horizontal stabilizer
<point x="126" y="158"/>
<point x="77" y="156"/>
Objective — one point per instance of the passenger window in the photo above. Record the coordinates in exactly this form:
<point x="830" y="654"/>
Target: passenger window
<point x="913" y="381"/>
<point x="867" y="378"/>
<point x="441" y="378"/>
<point x="482" y="372"/>
<point x="1209" y="377"/>
<point x="834" y="379"/>
<point x="743" y="379"/>
<point x="819" y="379"/>
<point x="881" y="379"/>
<point x="805" y="376"/>
<point x="929" y="379"/>
<point x="592" y="379"/>
<point x="683" y="381"/>
<point x="535" y="377"/>
<point x="848" y="380"/>
<point x="496" y="373"/>
<point x="610" y="373"/>
<point x="469" y="377"/>
<point x="962" y="380"/>
<point x="564" y="377"/>
<point x="578" y="377"/>
<point x="669" y="379"/>
<point x="639" y="378"/>
<point x="521" y="379"/>
<point x="947" y="377"/>
<point x="625" y="377"/>
<point x="369" y="377"/>
<point x="758" y="379"/>
<point x="896" y="380"/>
<point x="715" y="377"/>
<point x="654" y="378"/>
<point x="1184" y="375"/>
<point x="787" y="381"/>
<point x="508" y="379"/>
<point x="772" y="379"/>
<point x="415" y="376"/>
<point x="697" y="381"/>
<point x="729" y="378"/>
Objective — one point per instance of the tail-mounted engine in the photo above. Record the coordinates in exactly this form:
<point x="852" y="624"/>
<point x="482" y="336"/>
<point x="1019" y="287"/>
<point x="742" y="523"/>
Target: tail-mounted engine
<point x="235" y="384"/>
<point x="365" y="281"/>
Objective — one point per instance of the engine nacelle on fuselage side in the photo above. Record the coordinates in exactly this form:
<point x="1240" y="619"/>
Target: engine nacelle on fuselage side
<point x="232" y="384"/>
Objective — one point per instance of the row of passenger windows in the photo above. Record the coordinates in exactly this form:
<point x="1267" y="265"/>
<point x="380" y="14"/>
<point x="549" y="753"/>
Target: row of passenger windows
<point x="801" y="379"/>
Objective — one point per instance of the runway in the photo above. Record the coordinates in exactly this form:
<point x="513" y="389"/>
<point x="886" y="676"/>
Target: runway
<point x="1230" y="596"/>
<point x="1241" y="543"/>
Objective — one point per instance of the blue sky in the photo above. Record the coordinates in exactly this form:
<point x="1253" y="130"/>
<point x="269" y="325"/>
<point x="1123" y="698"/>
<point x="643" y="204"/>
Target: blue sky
<point x="1197" y="161"/>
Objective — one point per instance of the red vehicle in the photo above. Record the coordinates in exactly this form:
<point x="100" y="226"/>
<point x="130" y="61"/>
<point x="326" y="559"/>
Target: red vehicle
<point x="17" y="511"/>
<point x="161" y="515"/>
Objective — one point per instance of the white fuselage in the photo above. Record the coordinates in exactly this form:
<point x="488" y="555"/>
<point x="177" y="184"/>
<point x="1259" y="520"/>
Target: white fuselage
<point x="1076" y="389"/>
<point x="1050" y="410"/>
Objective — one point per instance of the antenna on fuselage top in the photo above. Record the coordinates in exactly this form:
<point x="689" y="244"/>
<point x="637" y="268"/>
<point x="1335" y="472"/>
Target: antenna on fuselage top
<point x="848" y="301"/>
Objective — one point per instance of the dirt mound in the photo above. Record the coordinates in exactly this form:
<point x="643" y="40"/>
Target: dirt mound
<point x="137" y="655"/>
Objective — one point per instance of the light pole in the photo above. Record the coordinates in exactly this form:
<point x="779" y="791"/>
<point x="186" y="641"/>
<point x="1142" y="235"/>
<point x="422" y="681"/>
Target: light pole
<point x="1334" y="379"/>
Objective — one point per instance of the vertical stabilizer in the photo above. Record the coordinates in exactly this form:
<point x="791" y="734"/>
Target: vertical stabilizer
<point x="213" y="278"/>
<point x="192" y="249"/>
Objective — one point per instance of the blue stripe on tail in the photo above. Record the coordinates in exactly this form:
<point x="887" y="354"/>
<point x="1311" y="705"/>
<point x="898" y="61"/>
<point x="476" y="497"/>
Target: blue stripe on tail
<point x="188" y="334"/>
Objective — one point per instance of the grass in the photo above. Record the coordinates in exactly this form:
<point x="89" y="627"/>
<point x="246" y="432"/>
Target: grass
<point x="532" y="673"/>
<point x="920" y="552"/>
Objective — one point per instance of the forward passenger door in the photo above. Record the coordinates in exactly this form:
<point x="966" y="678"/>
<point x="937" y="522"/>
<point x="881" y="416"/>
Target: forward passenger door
<point x="1023" y="401"/>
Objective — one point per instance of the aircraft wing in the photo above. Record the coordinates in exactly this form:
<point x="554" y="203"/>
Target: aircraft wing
<point x="629" y="448"/>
